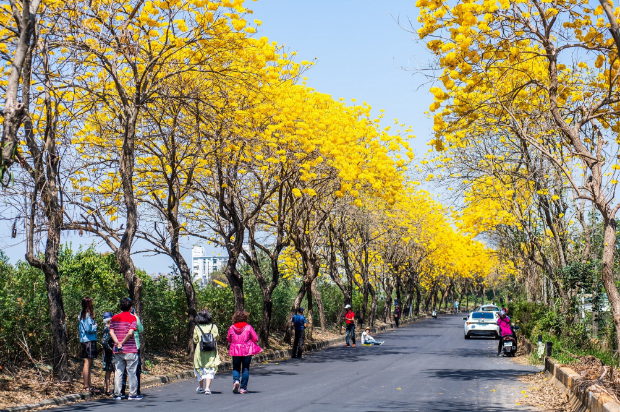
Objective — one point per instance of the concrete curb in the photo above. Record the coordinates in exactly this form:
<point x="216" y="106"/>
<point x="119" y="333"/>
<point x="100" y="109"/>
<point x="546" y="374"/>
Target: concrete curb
<point x="224" y="366"/>
<point x="580" y="399"/>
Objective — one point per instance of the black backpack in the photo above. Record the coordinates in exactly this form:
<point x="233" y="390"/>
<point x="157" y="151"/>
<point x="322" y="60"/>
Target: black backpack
<point x="207" y="343"/>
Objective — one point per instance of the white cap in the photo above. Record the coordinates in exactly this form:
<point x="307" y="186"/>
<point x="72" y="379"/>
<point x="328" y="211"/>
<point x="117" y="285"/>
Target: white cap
<point x="347" y="306"/>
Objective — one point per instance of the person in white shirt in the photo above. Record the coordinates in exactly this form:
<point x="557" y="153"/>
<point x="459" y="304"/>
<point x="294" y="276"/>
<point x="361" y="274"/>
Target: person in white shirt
<point x="369" y="340"/>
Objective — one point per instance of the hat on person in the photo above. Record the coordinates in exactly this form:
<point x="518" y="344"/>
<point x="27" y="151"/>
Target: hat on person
<point x="300" y="310"/>
<point x="107" y="315"/>
<point x="347" y="306"/>
<point x="367" y="328"/>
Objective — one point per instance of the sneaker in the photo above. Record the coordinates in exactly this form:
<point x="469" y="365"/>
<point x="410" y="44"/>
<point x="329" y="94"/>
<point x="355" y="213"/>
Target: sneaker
<point x="207" y="391"/>
<point x="118" y="398"/>
<point x="243" y="391"/>
<point x="353" y="345"/>
<point x="200" y="390"/>
<point x="346" y="345"/>
<point x="236" y="387"/>
<point x="135" y="398"/>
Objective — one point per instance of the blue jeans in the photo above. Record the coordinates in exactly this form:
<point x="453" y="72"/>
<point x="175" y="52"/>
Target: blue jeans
<point x="350" y="332"/>
<point x="238" y="363"/>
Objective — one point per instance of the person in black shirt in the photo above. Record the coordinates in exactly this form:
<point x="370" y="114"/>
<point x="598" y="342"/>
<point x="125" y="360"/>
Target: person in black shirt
<point x="397" y="315"/>
<point x="299" y="324"/>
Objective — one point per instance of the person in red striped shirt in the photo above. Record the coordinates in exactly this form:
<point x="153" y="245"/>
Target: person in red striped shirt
<point x="122" y="328"/>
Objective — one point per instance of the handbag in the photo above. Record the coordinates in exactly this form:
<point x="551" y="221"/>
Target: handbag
<point x="207" y="343"/>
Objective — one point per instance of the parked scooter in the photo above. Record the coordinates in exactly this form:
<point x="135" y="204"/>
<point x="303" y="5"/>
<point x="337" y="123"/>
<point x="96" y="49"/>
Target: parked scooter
<point x="509" y="342"/>
<point x="435" y="314"/>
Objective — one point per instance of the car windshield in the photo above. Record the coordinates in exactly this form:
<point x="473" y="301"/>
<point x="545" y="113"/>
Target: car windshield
<point x="489" y="309"/>
<point x="482" y="315"/>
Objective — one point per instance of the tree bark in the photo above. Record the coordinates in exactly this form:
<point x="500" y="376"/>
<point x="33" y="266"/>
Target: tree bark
<point x="609" y="249"/>
<point x="373" y="306"/>
<point x="418" y="298"/>
<point x="319" y="304"/>
<point x="387" y="309"/>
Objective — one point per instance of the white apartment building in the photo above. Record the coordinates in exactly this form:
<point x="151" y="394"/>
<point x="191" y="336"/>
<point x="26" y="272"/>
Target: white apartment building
<point x="203" y="266"/>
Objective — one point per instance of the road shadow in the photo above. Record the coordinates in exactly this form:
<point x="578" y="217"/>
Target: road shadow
<point x="439" y="405"/>
<point x="474" y="374"/>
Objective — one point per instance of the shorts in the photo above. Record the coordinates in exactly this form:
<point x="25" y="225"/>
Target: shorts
<point x="204" y="373"/>
<point x="89" y="349"/>
<point x="108" y="361"/>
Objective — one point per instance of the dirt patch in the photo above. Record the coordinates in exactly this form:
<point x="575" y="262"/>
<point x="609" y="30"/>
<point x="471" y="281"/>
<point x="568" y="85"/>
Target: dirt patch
<point x="597" y="377"/>
<point x="542" y="393"/>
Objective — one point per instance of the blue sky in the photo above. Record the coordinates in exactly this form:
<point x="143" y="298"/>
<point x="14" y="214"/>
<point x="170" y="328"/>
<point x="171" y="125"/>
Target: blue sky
<point x="360" y="52"/>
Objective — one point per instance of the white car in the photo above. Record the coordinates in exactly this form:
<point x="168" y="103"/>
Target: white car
<point x="481" y="323"/>
<point x="488" y="308"/>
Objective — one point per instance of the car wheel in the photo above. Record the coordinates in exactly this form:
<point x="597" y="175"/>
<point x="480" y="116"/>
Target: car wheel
<point x="467" y="336"/>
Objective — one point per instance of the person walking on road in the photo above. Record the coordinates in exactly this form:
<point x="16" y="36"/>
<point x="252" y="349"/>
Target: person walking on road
<point x="88" y="341"/>
<point x="205" y="361"/>
<point x="122" y="330"/>
<point x="456" y="306"/>
<point x="397" y="315"/>
<point x="242" y="338"/>
<point x="349" y="319"/>
<point x="504" y="329"/>
<point x="136" y="336"/>
<point x="299" y="324"/>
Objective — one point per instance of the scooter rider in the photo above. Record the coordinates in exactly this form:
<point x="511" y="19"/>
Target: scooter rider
<point x="504" y="329"/>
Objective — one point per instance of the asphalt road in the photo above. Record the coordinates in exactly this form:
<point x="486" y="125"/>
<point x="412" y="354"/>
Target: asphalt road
<point x="425" y="366"/>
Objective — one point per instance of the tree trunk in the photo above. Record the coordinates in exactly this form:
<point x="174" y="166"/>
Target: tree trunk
<point x="373" y="306"/>
<point x="362" y="315"/>
<point x="441" y="294"/>
<point x="235" y="280"/>
<point x="60" y="348"/>
<point x="418" y="298"/>
<point x="319" y="304"/>
<point x="387" y="314"/>
<point x="310" y="313"/>
<point x="190" y="295"/>
<point x="398" y="287"/>
<point x="607" y="275"/>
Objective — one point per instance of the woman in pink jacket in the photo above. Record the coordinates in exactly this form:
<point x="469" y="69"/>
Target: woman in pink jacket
<point x="242" y="339"/>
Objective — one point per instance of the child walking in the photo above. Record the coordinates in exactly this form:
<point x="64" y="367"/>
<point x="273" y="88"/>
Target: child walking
<point x="205" y="362"/>
<point x="108" y="354"/>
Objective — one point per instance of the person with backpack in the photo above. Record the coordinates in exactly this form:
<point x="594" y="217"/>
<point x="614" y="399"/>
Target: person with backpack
<point x="242" y="338"/>
<point x="299" y="324"/>
<point x="108" y="356"/>
<point x="206" y="358"/>
<point x="88" y="341"/>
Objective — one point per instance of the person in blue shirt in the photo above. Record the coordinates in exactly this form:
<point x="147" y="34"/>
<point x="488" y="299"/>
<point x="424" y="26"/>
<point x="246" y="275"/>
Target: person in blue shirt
<point x="299" y="324"/>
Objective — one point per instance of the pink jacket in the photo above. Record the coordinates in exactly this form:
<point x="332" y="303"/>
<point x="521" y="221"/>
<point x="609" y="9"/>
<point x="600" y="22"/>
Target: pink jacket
<point x="504" y="326"/>
<point x="243" y="341"/>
